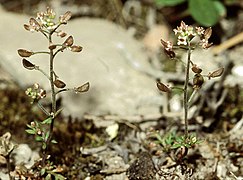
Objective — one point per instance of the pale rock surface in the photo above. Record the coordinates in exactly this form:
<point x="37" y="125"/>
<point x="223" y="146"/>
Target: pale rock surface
<point x="107" y="62"/>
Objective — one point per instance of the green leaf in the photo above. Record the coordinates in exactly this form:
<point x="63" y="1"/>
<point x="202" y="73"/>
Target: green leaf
<point x="204" y="12"/>
<point x="30" y="131"/>
<point x="54" y="141"/>
<point x="44" y="145"/>
<point x="39" y="138"/>
<point x="42" y="171"/>
<point x="169" y="2"/>
<point x="220" y="8"/>
<point x="47" y="121"/>
<point x="47" y="135"/>
<point x="59" y="177"/>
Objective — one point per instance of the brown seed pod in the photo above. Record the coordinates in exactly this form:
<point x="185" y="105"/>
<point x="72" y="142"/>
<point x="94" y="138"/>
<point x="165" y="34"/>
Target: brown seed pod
<point x="208" y="33"/>
<point x="68" y="41"/>
<point x="82" y="88"/>
<point x="59" y="84"/>
<point x="64" y="18"/>
<point x="196" y="69"/>
<point x="75" y="48"/>
<point x="163" y="87"/>
<point x="24" y="53"/>
<point x="198" y="81"/>
<point x="28" y="65"/>
<point x="216" y="73"/>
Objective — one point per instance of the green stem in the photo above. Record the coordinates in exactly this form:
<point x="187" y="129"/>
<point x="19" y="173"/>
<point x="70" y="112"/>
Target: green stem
<point x="53" y="100"/>
<point x="186" y="89"/>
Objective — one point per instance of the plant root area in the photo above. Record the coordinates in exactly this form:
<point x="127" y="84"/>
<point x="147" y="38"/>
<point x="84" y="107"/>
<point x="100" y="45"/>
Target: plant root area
<point x="85" y="151"/>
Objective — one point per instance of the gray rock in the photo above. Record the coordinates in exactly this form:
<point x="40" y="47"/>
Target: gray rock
<point x="109" y="61"/>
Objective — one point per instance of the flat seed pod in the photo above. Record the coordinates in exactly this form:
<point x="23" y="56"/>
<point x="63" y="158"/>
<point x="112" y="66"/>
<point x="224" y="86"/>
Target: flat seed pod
<point x="35" y="24"/>
<point x="208" y="33"/>
<point x="24" y="53"/>
<point x="64" y="18"/>
<point x="82" y="88"/>
<point x="216" y="73"/>
<point x="196" y="69"/>
<point x="163" y="87"/>
<point x="198" y="81"/>
<point x="75" y="48"/>
<point x="59" y="84"/>
<point x="69" y="41"/>
<point x="28" y="65"/>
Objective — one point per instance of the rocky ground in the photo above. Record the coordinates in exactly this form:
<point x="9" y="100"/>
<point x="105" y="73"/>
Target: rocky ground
<point x="106" y="132"/>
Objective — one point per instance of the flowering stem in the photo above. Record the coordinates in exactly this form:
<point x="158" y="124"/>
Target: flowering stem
<point x="185" y="89"/>
<point x="53" y="100"/>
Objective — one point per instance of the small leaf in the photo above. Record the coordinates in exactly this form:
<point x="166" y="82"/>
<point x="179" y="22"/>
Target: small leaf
<point x="163" y="87"/>
<point x="39" y="138"/>
<point x="28" y="65"/>
<point x="59" y="84"/>
<point x="216" y="73"/>
<point x="54" y="141"/>
<point x="169" y="2"/>
<point x="30" y="131"/>
<point x="47" y="121"/>
<point x="82" y="88"/>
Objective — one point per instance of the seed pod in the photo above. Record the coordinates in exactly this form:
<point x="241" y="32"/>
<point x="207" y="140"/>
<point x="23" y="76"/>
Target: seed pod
<point x="68" y="41"/>
<point x="196" y="69"/>
<point x="27" y="27"/>
<point x="180" y="153"/>
<point x="24" y="53"/>
<point x="28" y="65"/>
<point x="61" y="34"/>
<point x="64" y="18"/>
<point x="163" y="87"/>
<point x="82" y="88"/>
<point x="216" y="73"/>
<point x="208" y="33"/>
<point x="75" y="48"/>
<point x="198" y="81"/>
<point x="59" y="84"/>
<point x="52" y="46"/>
<point x="34" y="23"/>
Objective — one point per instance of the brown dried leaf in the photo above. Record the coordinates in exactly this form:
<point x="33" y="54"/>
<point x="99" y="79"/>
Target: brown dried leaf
<point x="28" y="65"/>
<point x="163" y="87"/>
<point x="82" y="88"/>
<point x="216" y="73"/>
<point x="59" y="84"/>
